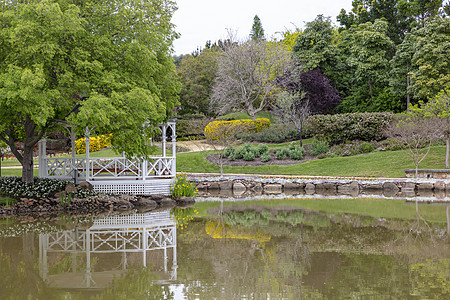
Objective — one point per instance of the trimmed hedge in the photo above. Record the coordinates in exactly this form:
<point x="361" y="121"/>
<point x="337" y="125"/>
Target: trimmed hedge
<point x="96" y="143"/>
<point x="216" y="128"/>
<point x="340" y="128"/>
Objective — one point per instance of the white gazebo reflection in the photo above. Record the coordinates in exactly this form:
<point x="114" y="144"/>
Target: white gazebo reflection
<point x="95" y="256"/>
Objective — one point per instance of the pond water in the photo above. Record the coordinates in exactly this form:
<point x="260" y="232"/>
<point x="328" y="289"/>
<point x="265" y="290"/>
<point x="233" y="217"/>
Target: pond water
<point x="265" y="249"/>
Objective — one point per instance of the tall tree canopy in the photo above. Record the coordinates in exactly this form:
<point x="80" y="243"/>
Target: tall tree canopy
<point x="257" y="33"/>
<point x="99" y="64"/>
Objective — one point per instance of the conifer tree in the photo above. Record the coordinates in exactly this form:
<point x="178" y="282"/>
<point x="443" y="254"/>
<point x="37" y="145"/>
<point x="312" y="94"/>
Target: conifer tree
<point x="257" y="33"/>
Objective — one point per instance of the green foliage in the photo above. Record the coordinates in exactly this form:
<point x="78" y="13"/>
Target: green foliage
<point x="317" y="147"/>
<point x="248" y="156"/>
<point x="197" y="74"/>
<point x="277" y="133"/>
<point x="339" y="128"/>
<point x="96" y="143"/>
<point x="183" y="215"/>
<point x="431" y="59"/>
<point x="7" y="201"/>
<point x="265" y="157"/>
<point x="257" y="33"/>
<point x="79" y="61"/>
<point x="192" y="127"/>
<point x="282" y="153"/>
<point x="183" y="187"/>
<point x="40" y="189"/>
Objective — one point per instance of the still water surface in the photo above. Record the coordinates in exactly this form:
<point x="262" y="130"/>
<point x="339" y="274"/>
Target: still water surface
<point x="232" y="250"/>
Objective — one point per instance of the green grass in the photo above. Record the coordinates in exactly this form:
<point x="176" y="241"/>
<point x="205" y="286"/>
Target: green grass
<point x="377" y="208"/>
<point x="7" y="201"/>
<point x="388" y="164"/>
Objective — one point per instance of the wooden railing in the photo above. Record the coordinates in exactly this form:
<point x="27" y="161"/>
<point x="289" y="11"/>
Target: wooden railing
<point x="108" y="167"/>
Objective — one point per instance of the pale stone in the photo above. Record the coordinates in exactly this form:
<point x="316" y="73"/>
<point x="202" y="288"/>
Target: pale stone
<point x="273" y="188"/>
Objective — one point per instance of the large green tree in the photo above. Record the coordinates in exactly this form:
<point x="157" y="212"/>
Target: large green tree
<point x="367" y="51"/>
<point x="197" y="74"/>
<point x="257" y="32"/>
<point x="102" y="64"/>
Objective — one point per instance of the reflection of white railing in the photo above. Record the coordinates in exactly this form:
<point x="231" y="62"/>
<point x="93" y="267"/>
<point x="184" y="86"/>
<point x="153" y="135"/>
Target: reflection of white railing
<point x="109" y="167"/>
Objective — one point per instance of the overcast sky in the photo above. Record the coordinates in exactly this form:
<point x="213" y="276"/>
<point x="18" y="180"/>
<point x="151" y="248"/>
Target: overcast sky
<point x="201" y="20"/>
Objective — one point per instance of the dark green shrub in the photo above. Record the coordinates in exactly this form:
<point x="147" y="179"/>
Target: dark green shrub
<point x="262" y="148"/>
<point x="275" y="134"/>
<point x="232" y="157"/>
<point x="249" y="156"/>
<point x="318" y="147"/>
<point x="265" y="157"/>
<point x="366" y="147"/>
<point x="191" y="127"/>
<point x="351" y="126"/>
<point x="297" y="152"/>
<point x="282" y="153"/>
<point x="229" y="151"/>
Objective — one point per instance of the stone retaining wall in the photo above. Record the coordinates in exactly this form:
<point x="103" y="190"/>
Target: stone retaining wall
<point x="248" y="187"/>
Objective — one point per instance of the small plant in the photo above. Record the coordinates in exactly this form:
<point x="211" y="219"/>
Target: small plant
<point x="318" y="146"/>
<point x="65" y="198"/>
<point x="232" y="157"/>
<point x="249" y="156"/>
<point x="366" y="147"/>
<point x="282" y="153"/>
<point x="229" y="151"/>
<point x="297" y="153"/>
<point x="265" y="157"/>
<point x="262" y="148"/>
<point x="183" y="187"/>
<point x="6" y="201"/>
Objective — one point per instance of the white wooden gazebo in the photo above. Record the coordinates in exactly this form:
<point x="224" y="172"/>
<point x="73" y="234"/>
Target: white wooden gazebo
<point x="116" y="175"/>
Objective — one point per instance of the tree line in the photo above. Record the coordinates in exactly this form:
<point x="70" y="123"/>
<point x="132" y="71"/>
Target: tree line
<point x="383" y="56"/>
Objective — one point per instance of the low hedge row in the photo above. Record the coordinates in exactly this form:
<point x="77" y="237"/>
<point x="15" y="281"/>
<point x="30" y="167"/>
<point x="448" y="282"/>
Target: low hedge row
<point x="340" y="128"/>
<point x="215" y="129"/>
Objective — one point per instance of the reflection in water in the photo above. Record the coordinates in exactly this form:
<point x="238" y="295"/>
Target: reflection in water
<point x="93" y="256"/>
<point x="238" y="252"/>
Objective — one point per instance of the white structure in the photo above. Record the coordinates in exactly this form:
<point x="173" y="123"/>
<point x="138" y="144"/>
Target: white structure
<point x="108" y="248"/>
<point x="115" y="174"/>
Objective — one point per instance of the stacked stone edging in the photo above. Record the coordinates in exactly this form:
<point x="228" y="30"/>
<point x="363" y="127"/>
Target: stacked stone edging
<point x="250" y="186"/>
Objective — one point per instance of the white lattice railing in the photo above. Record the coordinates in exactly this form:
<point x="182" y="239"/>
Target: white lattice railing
<point x="109" y="167"/>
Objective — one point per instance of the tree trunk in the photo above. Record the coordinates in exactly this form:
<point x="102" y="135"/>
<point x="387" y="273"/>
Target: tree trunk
<point x="447" y="150"/>
<point x="371" y="90"/>
<point x="301" y="136"/>
<point x="408" y="101"/>
<point x="27" y="165"/>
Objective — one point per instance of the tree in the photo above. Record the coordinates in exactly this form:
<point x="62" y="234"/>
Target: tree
<point x="257" y="33"/>
<point x="322" y="97"/>
<point x="315" y="47"/>
<point x="293" y="108"/>
<point x="418" y="133"/>
<point x="90" y="63"/>
<point x="246" y="76"/>
<point x="197" y="74"/>
<point x="431" y="59"/>
<point x="367" y="51"/>
<point x="438" y="106"/>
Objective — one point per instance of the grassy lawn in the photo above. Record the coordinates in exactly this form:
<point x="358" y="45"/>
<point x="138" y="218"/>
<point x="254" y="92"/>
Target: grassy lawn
<point x="377" y="208"/>
<point x="389" y="164"/>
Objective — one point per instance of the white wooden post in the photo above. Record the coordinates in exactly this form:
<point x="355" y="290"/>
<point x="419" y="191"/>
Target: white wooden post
<point x="87" y="134"/>
<point x="72" y="144"/>
<point x="164" y="127"/>
<point x="174" y="149"/>
<point x="43" y="158"/>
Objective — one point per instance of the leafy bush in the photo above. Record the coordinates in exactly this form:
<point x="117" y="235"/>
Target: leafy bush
<point x="282" y="153"/>
<point x="192" y="127"/>
<point x="262" y="148"/>
<point x="249" y="156"/>
<point x="183" y="187"/>
<point x="274" y="134"/>
<point x="317" y="147"/>
<point x="297" y="153"/>
<point x="366" y="147"/>
<point x="96" y="143"/>
<point x="265" y="157"/>
<point x="216" y="128"/>
<point x="41" y="188"/>
<point x="351" y="126"/>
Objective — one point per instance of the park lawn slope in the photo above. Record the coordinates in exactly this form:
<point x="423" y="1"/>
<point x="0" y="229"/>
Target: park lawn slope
<point x="387" y="164"/>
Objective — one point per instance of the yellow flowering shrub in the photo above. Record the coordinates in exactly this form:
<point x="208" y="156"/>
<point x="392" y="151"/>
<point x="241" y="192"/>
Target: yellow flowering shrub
<point x="183" y="187"/>
<point x="96" y="143"/>
<point x="215" y="129"/>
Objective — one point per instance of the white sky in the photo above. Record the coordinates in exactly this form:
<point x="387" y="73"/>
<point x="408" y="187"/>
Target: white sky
<point x="201" y="20"/>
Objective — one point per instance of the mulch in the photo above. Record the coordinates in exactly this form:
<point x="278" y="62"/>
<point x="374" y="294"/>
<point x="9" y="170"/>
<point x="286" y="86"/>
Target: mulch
<point x="215" y="159"/>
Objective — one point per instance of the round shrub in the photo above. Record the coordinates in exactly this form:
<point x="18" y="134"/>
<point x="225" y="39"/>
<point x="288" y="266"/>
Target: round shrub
<point x="282" y="153"/>
<point x="262" y="148"/>
<point x="249" y="156"/>
<point x="265" y="157"/>
<point x="317" y="147"/>
<point x="297" y="153"/>
<point x="366" y="147"/>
